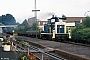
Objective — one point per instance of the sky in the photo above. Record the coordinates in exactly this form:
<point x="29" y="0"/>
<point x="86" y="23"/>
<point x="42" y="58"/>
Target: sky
<point x="22" y="9"/>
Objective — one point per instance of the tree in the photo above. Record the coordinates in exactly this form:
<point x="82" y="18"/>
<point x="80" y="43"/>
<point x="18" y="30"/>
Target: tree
<point x="86" y="21"/>
<point x="0" y="19"/>
<point x="8" y="19"/>
<point x="34" y="26"/>
<point x="1" y="24"/>
<point x="22" y="27"/>
<point x="82" y="32"/>
<point x="80" y="26"/>
<point x="25" y="23"/>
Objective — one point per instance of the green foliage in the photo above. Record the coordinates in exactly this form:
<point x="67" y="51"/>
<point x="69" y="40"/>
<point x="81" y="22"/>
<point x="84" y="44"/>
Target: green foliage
<point x="34" y="26"/>
<point x="22" y="27"/>
<point x="6" y="43"/>
<point x="25" y="27"/>
<point x="69" y="28"/>
<point x="4" y="40"/>
<point x="1" y="24"/>
<point x="81" y="34"/>
<point x="18" y="38"/>
<point x="25" y="44"/>
<point x="80" y="26"/>
<point x="25" y="23"/>
<point x="86" y="21"/>
<point x="8" y="19"/>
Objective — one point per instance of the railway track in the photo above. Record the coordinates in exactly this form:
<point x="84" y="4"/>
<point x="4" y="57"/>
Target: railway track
<point x="86" y="45"/>
<point x="76" y="49"/>
<point x="40" y="53"/>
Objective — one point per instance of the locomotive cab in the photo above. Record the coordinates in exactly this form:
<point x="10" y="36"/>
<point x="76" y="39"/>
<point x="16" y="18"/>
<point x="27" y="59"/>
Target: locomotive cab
<point x="55" y="29"/>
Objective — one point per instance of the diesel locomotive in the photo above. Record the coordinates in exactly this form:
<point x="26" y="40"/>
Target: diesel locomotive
<point x="55" y="29"/>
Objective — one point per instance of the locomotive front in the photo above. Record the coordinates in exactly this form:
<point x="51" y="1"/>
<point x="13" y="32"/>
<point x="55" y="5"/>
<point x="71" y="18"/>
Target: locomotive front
<point x="55" y="29"/>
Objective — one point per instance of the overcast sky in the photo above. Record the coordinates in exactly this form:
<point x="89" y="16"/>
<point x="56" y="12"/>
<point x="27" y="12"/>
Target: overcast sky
<point x="22" y="9"/>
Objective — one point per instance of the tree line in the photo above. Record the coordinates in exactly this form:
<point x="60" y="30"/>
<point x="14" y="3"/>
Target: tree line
<point x="7" y="19"/>
<point x="81" y="33"/>
<point x="23" y="27"/>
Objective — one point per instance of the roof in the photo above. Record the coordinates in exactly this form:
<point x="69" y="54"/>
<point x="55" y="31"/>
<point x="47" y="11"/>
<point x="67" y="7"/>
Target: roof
<point x="73" y="19"/>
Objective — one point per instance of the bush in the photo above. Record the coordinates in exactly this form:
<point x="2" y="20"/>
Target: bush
<point x="25" y="44"/>
<point x="18" y="38"/>
<point x="81" y="35"/>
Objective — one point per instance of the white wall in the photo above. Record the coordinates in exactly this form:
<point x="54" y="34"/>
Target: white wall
<point x="70" y="24"/>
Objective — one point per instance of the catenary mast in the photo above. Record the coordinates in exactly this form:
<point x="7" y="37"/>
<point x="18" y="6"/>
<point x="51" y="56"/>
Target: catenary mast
<point x="35" y="10"/>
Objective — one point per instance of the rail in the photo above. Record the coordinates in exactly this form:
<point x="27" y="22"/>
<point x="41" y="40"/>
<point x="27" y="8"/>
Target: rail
<point x="39" y="50"/>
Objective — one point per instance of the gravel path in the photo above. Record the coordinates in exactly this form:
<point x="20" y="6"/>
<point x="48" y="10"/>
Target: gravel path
<point x="76" y="49"/>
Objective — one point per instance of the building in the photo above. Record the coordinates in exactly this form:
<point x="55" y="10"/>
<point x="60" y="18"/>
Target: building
<point x="70" y="20"/>
<point x="31" y="21"/>
<point x="41" y="24"/>
<point x="77" y="20"/>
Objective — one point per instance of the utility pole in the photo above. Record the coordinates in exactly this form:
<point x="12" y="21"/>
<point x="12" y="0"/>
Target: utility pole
<point x="35" y="10"/>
